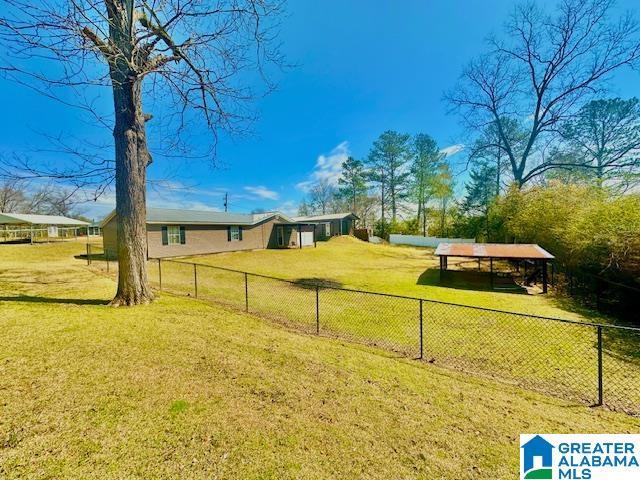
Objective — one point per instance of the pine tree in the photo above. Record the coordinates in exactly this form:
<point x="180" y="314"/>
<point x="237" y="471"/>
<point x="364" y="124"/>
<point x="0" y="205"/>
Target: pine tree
<point x="481" y="194"/>
<point x="352" y="182"/>
<point x="388" y="161"/>
<point x="424" y="169"/>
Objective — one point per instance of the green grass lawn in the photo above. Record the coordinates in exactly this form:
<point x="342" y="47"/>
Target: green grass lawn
<point x="558" y="358"/>
<point x="188" y="389"/>
<point x="402" y="270"/>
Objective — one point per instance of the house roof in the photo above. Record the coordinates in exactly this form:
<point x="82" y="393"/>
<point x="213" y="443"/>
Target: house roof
<point x="320" y="218"/>
<point x="30" y="219"/>
<point x="203" y="217"/>
<point x="493" y="250"/>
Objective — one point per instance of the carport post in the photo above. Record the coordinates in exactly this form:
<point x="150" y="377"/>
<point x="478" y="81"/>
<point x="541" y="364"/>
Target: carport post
<point x="88" y="254"/>
<point x="491" y="271"/>
<point x="315" y="243"/>
<point x="300" y="235"/>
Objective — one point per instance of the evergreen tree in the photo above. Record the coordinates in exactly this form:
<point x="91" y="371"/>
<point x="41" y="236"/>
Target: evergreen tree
<point x="480" y="194"/>
<point x="605" y="137"/>
<point x="388" y="161"/>
<point x="424" y="169"/>
<point x="352" y="182"/>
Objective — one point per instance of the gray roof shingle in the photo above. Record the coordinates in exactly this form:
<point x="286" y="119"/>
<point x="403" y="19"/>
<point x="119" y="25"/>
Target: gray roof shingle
<point x="203" y="217"/>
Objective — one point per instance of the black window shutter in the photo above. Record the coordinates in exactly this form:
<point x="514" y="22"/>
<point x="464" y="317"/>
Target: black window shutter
<point x="228" y="234"/>
<point x="183" y="238"/>
<point x="240" y="233"/>
<point x="165" y="236"/>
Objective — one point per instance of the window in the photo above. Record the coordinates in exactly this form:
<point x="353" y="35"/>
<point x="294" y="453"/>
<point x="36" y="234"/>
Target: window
<point x="173" y="235"/>
<point x="235" y="233"/>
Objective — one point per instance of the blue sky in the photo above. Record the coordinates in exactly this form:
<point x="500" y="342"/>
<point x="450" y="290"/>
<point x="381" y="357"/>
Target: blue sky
<point x="362" y="67"/>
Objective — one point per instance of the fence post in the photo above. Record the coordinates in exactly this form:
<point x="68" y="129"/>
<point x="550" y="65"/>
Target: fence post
<point x="246" y="292"/>
<point x="88" y="254"/>
<point x="160" y="273"/>
<point x="600" y="382"/>
<point x="195" y="279"/>
<point x="317" y="309"/>
<point x="421" y="331"/>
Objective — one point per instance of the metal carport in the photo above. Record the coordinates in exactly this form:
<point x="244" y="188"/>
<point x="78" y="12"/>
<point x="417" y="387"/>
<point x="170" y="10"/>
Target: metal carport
<point x="497" y="251"/>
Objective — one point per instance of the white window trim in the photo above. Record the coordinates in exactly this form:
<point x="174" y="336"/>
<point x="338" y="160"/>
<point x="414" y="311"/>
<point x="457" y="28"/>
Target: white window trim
<point x="173" y="235"/>
<point x="327" y="229"/>
<point x="235" y="233"/>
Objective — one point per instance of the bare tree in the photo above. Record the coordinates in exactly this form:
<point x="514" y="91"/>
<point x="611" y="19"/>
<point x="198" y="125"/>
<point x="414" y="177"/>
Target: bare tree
<point x="60" y="201"/>
<point x="183" y="56"/>
<point x="321" y="195"/>
<point x="12" y="196"/>
<point x="538" y="75"/>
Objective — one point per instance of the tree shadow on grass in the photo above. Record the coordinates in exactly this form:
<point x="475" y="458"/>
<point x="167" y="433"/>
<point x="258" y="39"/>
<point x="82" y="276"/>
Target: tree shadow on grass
<point x="622" y="344"/>
<point x="311" y="282"/>
<point x="470" y="280"/>
<point x="73" y="301"/>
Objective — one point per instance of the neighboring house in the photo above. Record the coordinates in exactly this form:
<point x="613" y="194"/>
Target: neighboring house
<point x="175" y="233"/>
<point x="32" y="227"/>
<point x="331" y="224"/>
<point x="94" y="230"/>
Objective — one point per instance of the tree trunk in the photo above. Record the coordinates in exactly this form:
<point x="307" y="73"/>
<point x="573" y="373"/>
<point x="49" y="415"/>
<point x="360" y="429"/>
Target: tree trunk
<point x="424" y="220"/>
<point x="132" y="158"/>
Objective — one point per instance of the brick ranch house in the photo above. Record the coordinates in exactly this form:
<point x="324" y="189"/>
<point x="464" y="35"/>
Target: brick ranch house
<point x="176" y="233"/>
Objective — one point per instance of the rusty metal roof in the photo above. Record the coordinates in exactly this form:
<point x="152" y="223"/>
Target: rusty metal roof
<point x="493" y="250"/>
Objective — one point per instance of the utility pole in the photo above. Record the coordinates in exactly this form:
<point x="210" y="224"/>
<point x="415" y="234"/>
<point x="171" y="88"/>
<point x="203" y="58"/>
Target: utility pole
<point x="226" y="201"/>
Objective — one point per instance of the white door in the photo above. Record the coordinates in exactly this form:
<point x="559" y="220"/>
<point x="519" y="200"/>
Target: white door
<point x="307" y="239"/>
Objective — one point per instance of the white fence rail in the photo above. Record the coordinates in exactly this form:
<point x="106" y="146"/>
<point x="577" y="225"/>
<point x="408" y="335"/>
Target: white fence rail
<point x="37" y="234"/>
<point x="420" y="241"/>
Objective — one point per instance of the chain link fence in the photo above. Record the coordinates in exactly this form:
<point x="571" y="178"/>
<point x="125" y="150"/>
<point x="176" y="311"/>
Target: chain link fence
<point x="584" y="362"/>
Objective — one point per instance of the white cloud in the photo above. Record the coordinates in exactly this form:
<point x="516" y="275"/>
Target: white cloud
<point x="262" y="192"/>
<point x="452" y="149"/>
<point x="328" y="167"/>
<point x="288" y="207"/>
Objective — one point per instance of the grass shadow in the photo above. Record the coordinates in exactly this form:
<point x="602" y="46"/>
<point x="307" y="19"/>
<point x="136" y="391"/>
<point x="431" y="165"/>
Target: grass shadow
<point x="621" y="344"/>
<point x="73" y="301"/>
<point x="470" y="280"/>
<point x="311" y="282"/>
<point x="15" y="241"/>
